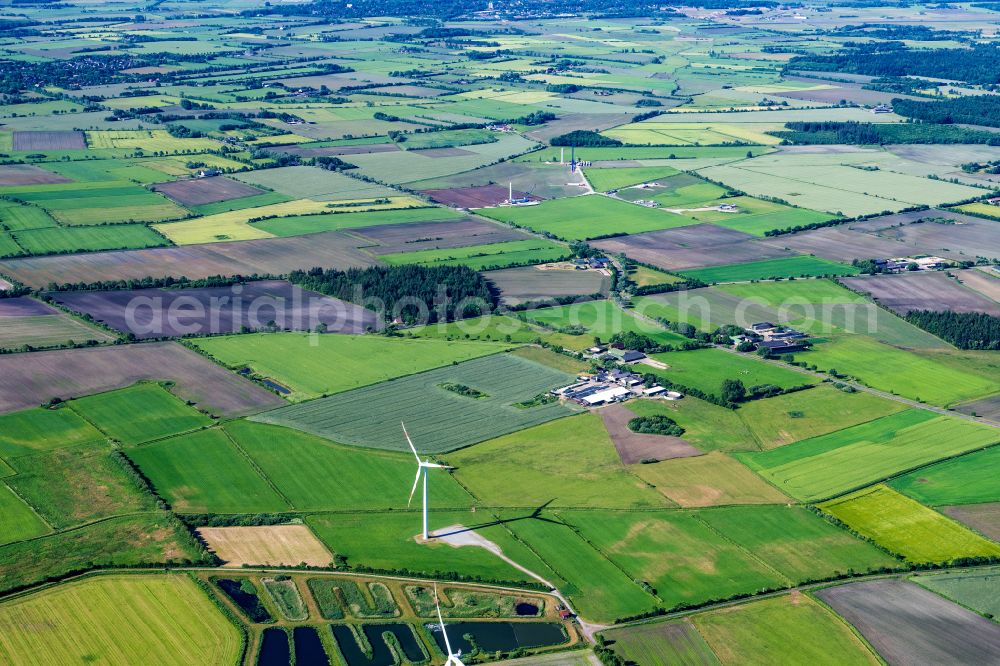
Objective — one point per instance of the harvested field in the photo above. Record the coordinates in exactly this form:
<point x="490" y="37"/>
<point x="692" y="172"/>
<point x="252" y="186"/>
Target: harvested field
<point x="476" y="197"/>
<point x="272" y="255"/>
<point x="27" y="174"/>
<point x="23" y="306"/>
<point x="29" y="380"/>
<point x="153" y="313"/>
<point x="839" y="244"/>
<point x="662" y="644"/>
<point x="536" y="283"/>
<point x="907" y="624"/>
<point x="984" y="280"/>
<point x="969" y="237"/>
<point x="61" y="140"/>
<point x="984" y="518"/>
<point x="201" y="191"/>
<point x="416" y="236"/>
<point x="271" y="545"/>
<point x="636" y="447"/>
<point x="694" y="246"/>
<point x="987" y="407"/>
<point x="924" y="290"/>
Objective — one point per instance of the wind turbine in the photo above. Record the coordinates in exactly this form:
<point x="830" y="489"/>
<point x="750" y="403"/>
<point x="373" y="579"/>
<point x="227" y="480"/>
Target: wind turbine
<point x="422" y="467"/>
<point x="453" y="658"/>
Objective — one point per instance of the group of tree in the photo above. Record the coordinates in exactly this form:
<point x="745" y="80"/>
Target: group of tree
<point x="979" y="64"/>
<point x="965" y="330"/>
<point x="972" y="109"/>
<point x="414" y="294"/>
<point x="584" y="138"/>
<point x="656" y="424"/>
<point x="855" y="133"/>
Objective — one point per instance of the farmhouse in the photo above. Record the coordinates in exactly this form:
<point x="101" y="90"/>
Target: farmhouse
<point x="624" y="355"/>
<point x="612" y="394"/>
<point x="783" y="346"/>
<point x="882" y="108"/>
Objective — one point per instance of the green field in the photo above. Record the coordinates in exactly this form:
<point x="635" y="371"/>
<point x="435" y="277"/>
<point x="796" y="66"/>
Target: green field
<point x="603" y="180"/>
<point x="311" y="224"/>
<point x="153" y="413"/>
<point x="755" y="216"/>
<point x="796" y="416"/>
<point x="574" y="455"/>
<point x="389" y="543"/>
<point x="600" y="590"/>
<point x="485" y="257"/>
<point x="57" y="240"/>
<point x="74" y="485"/>
<point x="979" y="591"/>
<point x="940" y="378"/>
<point x="794" y="541"/>
<point x="706" y="369"/>
<point x="142" y="538"/>
<point x="602" y="319"/>
<point x="768" y="269"/>
<point x="316" y="474"/>
<point x="708" y="480"/>
<point x="584" y="217"/>
<point x="314" y="365"/>
<point x="204" y="472"/>
<point x="707" y="426"/>
<point x="496" y="328"/>
<point x="39" y="429"/>
<point x="795" y="624"/>
<point x="438" y="419"/>
<point x="847" y="459"/>
<point x="678" y="554"/>
<point x="968" y="479"/>
<point x="162" y="619"/>
<point x="907" y="528"/>
<point x="19" y="521"/>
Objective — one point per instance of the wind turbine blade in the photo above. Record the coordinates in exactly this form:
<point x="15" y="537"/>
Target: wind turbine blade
<point x="415" y="482"/>
<point x="410" y="442"/>
<point x="444" y="631"/>
<point x="435" y="466"/>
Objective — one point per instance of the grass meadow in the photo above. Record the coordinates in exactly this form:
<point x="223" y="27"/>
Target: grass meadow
<point x="33" y="430"/>
<point x="481" y="257"/>
<point x="602" y="319"/>
<point x="585" y="217"/>
<point x="570" y="462"/>
<point x="940" y="378"/>
<point x="316" y="474"/>
<point x="708" y="480"/>
<point x="968" y="479"/>
<point x="847" y="459"/>
<point x="706" y="369"/>
<point x="204" y="472"/>
<point x="153" y="412"/>
<point x="793" y="622"/>
<point x="768" y="269"/>
<point x="19" y="520"/>
<point x="315" y="365"/>
<point x="676" y="553"/>
<point x="906" y="527"/>
<point x="613" y="178"/>
<point x="978" y="590"/>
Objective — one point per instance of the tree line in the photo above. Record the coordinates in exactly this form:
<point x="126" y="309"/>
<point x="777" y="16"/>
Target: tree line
<point x="855" y="133"/>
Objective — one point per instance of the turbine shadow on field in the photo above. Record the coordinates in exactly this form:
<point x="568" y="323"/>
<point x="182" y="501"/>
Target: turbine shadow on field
<point x="536" y="514"/>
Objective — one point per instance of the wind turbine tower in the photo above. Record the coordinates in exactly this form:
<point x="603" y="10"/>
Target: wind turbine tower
<point x="422" y="467"/>
<point x="453" y="657"/>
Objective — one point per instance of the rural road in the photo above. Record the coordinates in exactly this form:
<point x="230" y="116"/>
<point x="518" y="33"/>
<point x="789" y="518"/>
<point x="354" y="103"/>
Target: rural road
<point x="458" y="536"/>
